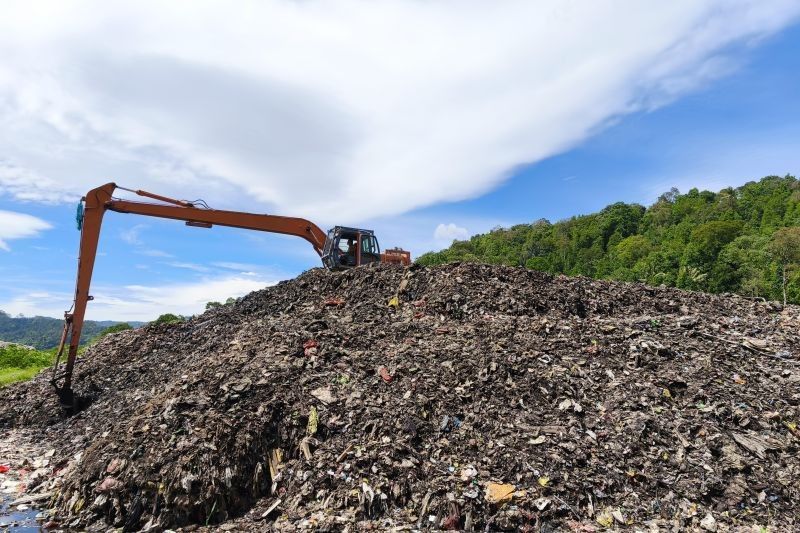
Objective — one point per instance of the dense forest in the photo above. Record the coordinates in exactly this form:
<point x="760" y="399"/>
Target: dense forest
<point x="43" y="332"/>
<point x="744" y="240"/>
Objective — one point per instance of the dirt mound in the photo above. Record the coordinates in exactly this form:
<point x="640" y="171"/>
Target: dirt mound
<point x="456" y="397"/>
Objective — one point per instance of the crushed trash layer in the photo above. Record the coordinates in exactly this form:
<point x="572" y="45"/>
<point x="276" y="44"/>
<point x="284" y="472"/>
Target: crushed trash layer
<point x="463" y="396"/>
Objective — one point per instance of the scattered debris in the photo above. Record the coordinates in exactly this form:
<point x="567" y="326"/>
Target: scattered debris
<point x="708" y="522"/>
<point x="385" y="375"/>
<point x="482" y="398"/>
<point x="756" y="444"/>
<point x="26" y="482"/>
<point x="323" y="394"/>
<point x="499" y="492"/>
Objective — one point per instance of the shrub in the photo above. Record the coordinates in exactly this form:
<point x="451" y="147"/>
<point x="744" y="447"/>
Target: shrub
<point x="19" y="364"/>
<point x="167" y="318"/>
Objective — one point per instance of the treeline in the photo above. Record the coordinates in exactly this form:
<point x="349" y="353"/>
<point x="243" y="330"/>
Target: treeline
<point x="44" y="332"/>
<point x="20" y="363"/>
<point x="744" y="240"/>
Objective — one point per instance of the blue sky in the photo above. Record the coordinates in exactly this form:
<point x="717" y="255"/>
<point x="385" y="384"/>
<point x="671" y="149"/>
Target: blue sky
<point x="424" y="141"/>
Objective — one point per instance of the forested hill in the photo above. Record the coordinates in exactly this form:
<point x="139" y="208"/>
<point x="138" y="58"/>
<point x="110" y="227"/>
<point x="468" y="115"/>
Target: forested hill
<point x="43" y="332"/>
<point x="744" y="240"/>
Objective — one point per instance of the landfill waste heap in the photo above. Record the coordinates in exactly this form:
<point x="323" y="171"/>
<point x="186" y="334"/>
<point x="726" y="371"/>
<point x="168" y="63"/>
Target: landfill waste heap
<point x="463" y="397"/>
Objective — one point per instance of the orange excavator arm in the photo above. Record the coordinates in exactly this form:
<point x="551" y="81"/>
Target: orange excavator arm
<point x="100" y="200"/>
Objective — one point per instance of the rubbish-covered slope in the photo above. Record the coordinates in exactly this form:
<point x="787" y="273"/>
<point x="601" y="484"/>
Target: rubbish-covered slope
<point x="481" y="396"/>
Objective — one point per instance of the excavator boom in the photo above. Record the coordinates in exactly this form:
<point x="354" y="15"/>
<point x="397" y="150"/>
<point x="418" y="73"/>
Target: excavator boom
<point x="99" y="200"/>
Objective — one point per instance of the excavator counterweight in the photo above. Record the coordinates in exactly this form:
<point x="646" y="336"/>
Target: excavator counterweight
<point x="340" y="248"/>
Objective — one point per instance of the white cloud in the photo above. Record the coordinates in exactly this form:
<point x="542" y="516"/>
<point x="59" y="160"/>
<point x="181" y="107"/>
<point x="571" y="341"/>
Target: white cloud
<point x="152" y="252"/>
<point x="36" y="303"/>
<point x="232" y="265"/>
<point x="19" y="226"/>
<point x="142" y="302"/>
<point x="139" y="302"/>
<point x="26" y="185"/>
<point x="450" y="232"/>
<point x="340" y="108"/>
<point x="133" y="235"/>
<point x="187" y="266"/>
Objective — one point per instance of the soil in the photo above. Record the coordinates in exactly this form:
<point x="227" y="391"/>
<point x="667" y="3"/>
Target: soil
<point x="465" y="396"/>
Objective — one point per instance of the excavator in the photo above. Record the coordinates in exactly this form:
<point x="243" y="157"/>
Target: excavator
<point x="340" y="248"/>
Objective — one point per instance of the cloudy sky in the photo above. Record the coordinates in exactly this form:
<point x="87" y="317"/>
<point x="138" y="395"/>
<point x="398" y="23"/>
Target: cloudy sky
<point x="426" y="120"/>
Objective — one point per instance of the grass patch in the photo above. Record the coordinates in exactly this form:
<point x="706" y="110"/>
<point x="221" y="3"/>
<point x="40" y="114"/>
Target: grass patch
<point x="20" y="364"/>
<point x="12" y="375"/>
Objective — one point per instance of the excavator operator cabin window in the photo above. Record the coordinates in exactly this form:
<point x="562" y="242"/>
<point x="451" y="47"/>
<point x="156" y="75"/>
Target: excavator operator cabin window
<point x="368" y="245"/>
<point x="369" y="249"/>
<point x="329" y="242"/>
<point x="347" y="247"/>
<point x="347" y="242"/>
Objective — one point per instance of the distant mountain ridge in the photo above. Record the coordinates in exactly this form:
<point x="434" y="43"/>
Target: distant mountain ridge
<point x="45" y="332"/>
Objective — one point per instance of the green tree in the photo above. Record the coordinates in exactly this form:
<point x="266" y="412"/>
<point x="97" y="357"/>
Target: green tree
<point x="116" y="328"/>
<point x="168" y="318"/>
<point x="785" y="249"/>
<point x="709" y="238"/>
<point x="701" y="240"/>
<point x="632" y="249"/>
<point x="43" y="332"/>
<point x="743" y="266"/>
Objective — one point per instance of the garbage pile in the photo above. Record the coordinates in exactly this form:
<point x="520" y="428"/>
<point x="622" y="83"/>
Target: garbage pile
<point x="462" y="397"/>
<point x="23" y="468"/>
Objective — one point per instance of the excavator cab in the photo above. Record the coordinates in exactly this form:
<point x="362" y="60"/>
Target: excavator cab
<point x="350" y="247"/>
